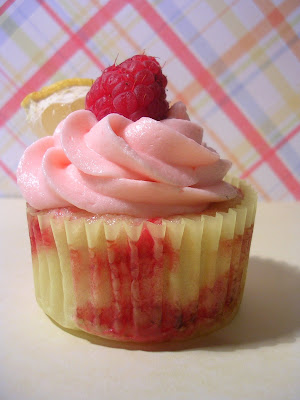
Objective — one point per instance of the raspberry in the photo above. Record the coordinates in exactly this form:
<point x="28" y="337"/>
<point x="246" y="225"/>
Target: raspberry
<point x="135" y="89"/>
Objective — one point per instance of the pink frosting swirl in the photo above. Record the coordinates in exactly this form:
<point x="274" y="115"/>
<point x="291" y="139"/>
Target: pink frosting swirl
<point x="145" y="168"/>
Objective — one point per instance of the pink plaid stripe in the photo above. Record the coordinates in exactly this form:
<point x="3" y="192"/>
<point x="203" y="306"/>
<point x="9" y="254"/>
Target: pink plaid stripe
<point x="5" y="6"/>
<point x="210" y="84"/>
<point x="212" y="74"/>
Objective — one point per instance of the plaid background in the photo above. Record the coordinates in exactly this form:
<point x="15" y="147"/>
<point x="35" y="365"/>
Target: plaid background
<point x="235" y="63"/>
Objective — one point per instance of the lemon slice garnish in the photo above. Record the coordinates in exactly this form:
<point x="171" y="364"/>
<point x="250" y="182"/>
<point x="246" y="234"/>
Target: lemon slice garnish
<point x="47" y="107"/>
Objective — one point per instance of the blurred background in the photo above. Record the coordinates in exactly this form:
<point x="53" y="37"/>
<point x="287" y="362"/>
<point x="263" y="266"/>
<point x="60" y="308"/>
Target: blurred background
<point x="235" y="63"/>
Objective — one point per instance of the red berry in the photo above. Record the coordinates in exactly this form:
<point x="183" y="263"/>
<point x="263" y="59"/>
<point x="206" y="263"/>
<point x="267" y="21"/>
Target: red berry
<point x="125" y="103"/>
<point x="135" y="89"/>
<point x="144" y="95"/>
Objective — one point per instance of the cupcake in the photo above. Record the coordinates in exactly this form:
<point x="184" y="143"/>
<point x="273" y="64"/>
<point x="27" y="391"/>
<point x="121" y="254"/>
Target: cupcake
<point x="137" y="231"/>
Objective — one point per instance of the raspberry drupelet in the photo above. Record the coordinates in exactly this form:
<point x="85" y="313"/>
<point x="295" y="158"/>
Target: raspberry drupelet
<point x="135" y="88"/>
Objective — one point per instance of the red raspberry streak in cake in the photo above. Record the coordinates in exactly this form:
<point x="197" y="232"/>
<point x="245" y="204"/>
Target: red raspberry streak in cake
<point x="138" y="299"/>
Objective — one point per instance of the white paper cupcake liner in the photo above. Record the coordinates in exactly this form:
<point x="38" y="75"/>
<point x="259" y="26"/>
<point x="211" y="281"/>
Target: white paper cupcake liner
<point x="131" y="279"/>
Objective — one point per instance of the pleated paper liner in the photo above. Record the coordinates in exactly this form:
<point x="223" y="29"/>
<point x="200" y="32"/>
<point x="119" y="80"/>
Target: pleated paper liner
<point x="140" y="280"/>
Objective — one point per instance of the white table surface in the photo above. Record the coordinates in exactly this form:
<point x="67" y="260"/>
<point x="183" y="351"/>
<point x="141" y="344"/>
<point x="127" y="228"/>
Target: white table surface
<point x="256" y="357"/>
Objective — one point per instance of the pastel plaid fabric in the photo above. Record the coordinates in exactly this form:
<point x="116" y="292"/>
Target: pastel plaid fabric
<point x="235" y="63"/>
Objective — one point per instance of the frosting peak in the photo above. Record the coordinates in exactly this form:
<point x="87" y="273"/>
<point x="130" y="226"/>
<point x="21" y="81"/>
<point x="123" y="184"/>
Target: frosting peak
<point x="145" y="168"/>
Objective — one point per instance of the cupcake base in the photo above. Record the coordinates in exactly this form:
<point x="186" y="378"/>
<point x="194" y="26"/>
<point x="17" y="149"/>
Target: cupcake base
<point x="129" y="279"/>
